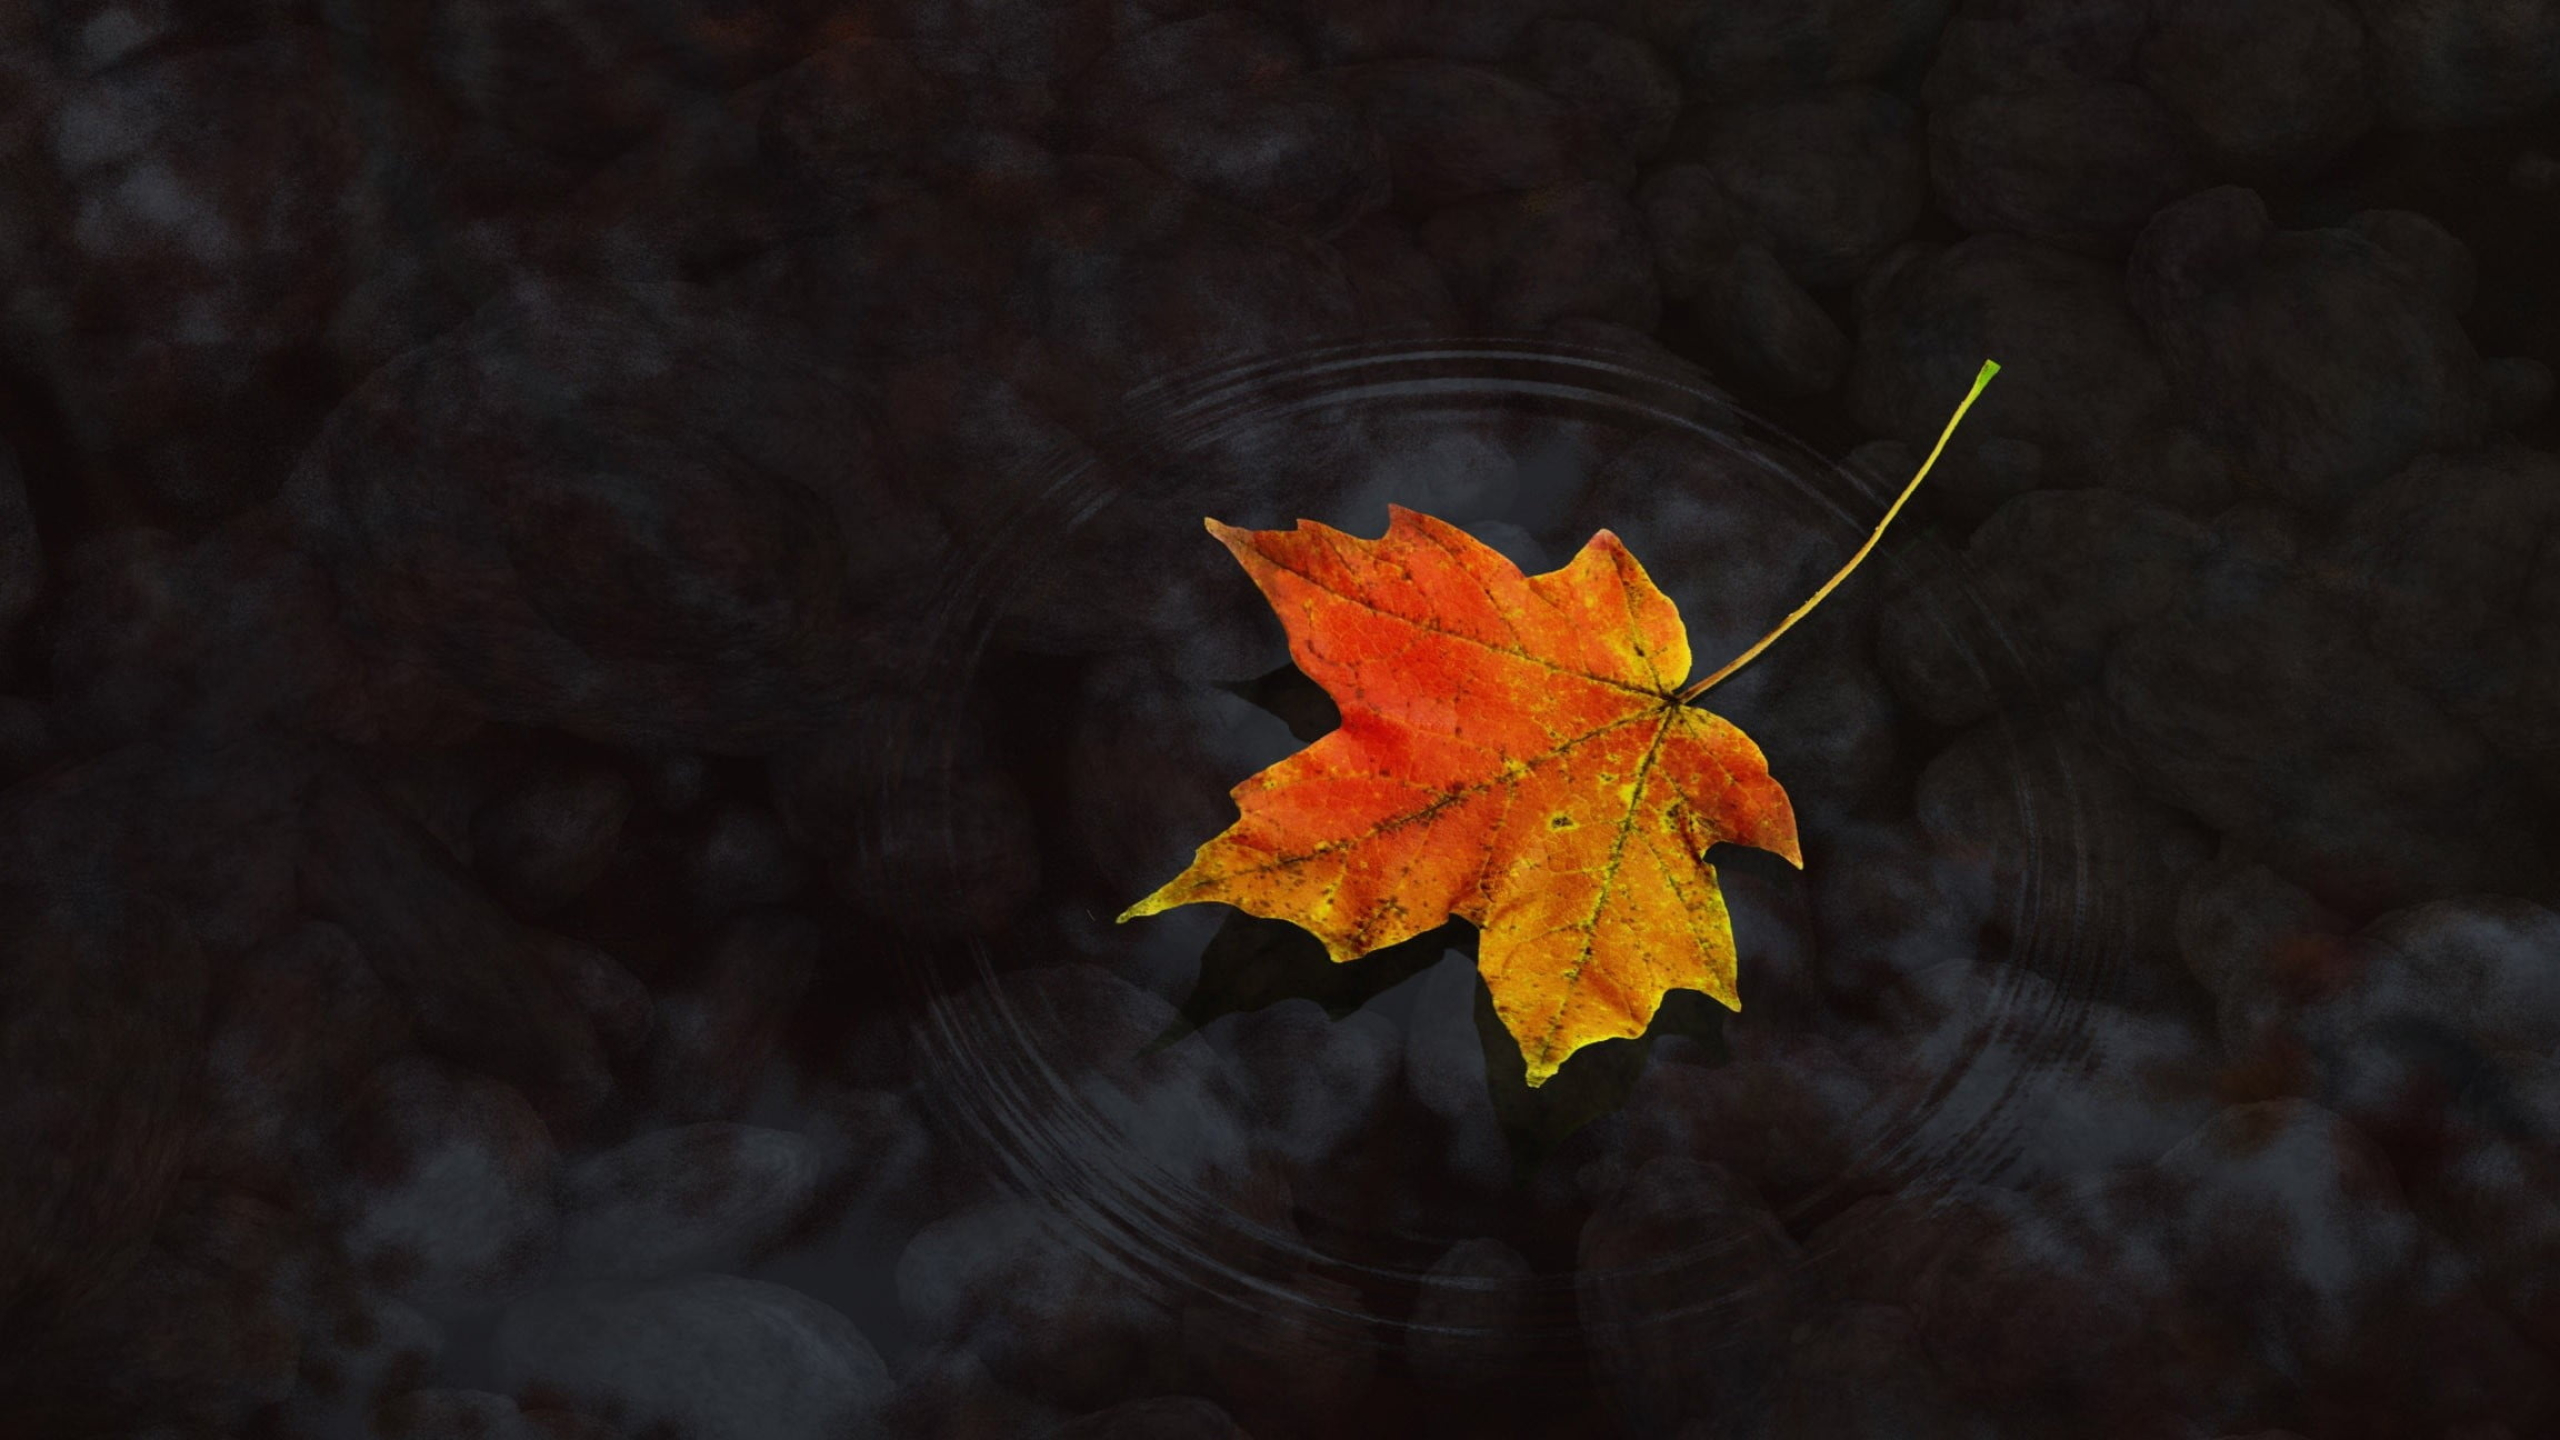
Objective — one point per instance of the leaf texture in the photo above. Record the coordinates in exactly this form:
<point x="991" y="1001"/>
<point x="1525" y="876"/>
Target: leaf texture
<point x="1513" y="751"/>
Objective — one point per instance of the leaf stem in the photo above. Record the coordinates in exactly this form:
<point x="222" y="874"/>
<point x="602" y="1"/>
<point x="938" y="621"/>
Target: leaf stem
<point x="1981" y="379"/>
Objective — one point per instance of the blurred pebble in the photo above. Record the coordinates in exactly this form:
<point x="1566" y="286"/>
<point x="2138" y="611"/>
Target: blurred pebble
<point x="1761" y="323"/>
<point x="1890" y="901"/>
<point x="1444" y="1071"/>
<point x="695" y="1197"/>
<point x="1524" y="260"/>
<point x="916" y="824"/>
<point x="451" y="1201"/>
<point x="1470" y="1321"/>
<point x="1832" y="180"/>
<point x="2213" y="64"/>
<point x="2229" y="705"/>
<point x="744" y="859"/>
<point x="1286" y="1363"/>
<point x="1315" y="1081"/>
<point x="2426" y="250"/>
<point x="458" y="1415"/>
<point x="1620" y="94"/>
<point x="528" y="1007"/>
<point x="358" y="1349"/>
<point x="718" y="1038"/>
<point x="2377" y="373"/>
<point x="707" y="1355"/>
<point x="2294" y="1218"/>
<point x="1765" y="47"/>
<point x="1662" y="1355"/>
<point x="2441" y="565"/>
<point x="1170" y="1417"/>
<point x="2001" y="1083"/>
<point x="1477" y="30"/>
<point x="2045" y="585"/>
<point x="2079" y="165"/>
<point x="2520" y="389"/>
<point x="1693" y="223"/>
<point x="544" y="844"/>
<point x="1018" y="1287"/>
<point x="585" y="409"/>
<point x="1456" y="132"/>
<point x="2246" y="933"/>
<point x="2476" y="63"/>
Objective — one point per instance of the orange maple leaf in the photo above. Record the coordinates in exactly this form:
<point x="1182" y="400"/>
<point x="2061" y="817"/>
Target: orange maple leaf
<point x="1515" y="750"/>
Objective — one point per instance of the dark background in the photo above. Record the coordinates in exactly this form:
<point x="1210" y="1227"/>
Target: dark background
<point x="599" y="600"/>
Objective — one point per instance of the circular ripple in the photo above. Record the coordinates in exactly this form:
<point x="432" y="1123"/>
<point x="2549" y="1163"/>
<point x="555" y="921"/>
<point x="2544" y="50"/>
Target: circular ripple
<point x="1267" y="443"/>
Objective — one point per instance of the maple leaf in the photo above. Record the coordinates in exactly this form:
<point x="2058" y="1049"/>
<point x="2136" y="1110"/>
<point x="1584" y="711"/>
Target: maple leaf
<point x="1513" y="751"/>
<point x="1518" y="751"/>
